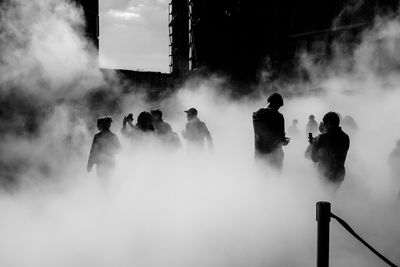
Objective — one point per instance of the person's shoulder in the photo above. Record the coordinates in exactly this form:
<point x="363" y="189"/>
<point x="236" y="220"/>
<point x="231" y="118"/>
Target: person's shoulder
<point x="200" y="123"/>
<point x="343" y="133"/>
<point x="110" y="134"/>
<point x="261" y="111"/>
<point x="98" y="134"/>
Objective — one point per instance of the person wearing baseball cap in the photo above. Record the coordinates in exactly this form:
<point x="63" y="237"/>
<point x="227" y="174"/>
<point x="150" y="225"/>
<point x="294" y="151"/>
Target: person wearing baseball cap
<point x="269" y="132"/>
<point x="196" y="131"/>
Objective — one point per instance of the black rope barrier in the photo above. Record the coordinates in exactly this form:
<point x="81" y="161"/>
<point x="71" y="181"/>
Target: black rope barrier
<point x="353" y="233"/>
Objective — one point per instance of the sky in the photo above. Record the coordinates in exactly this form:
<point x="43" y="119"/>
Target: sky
<point x="134" y="34"/>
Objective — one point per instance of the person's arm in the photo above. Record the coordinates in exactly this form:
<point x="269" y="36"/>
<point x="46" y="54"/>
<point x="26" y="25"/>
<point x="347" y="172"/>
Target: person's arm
<point x="124" y="130"/>
<point x="316" y="149"/>
<point x="281" y="129"/>
<point x="311" y="140"/>
<point x="346" y="147"/>
<point x="92" y="155"/>
<point x="129" y="119"/>
<point x="130" y="123"/>
<point x="184" y="132"/>
<point x="257" y="127"/>
<point x="207" y="134"/>
<point x="307" y="153"/>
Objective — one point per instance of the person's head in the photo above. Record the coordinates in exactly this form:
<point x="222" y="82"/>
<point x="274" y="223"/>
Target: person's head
<point x="331" y="120"/>
<point x="295" y="121"/>
<point x="104" y="123"/>
<point x="275" y="101"/>
<point x="156" y="114"/>
<point x="191" y="113"/>
<point x="144" y="121"/>
<point x="311" y="117"/>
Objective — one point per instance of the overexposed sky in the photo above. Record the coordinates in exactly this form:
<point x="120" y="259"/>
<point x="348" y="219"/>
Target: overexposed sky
<point x="134" y="34"/>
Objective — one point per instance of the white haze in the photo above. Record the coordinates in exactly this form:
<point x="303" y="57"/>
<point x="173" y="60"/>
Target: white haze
<point x="217" y="208"/>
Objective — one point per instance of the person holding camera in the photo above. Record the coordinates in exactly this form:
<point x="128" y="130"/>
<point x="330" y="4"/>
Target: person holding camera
<point x="329" y="149"/>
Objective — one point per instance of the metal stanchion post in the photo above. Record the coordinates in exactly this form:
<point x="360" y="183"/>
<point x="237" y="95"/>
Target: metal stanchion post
<point x="323" y="220"/>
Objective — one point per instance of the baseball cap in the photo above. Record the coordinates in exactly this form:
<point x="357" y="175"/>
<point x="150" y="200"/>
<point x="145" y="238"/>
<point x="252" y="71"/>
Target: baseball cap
<point x="191" y="111"/>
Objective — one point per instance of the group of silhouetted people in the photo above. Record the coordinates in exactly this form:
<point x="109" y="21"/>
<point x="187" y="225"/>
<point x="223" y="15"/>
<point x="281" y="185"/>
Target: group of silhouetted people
<point x="106" y="145"/>
<point x="328" y="149"/>
<point x="328" y="143"/>
<point x="150" y="124"/>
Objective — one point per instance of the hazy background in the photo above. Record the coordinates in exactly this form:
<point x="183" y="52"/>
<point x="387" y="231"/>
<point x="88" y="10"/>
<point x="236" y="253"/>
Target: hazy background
<point x="165" y="208"/>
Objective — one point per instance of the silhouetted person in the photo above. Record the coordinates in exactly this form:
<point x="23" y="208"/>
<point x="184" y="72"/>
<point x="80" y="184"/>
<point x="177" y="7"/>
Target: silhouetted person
<point x="164" y="130"/>
<point x="145" y="122"/>
<point x="312" y="126"/>
<point x="394" y="165"/>
<point x="293" y="131"/>
<point x="104" y="147"/>
<point x="196" y="130"/>
<point x="160" y="126"/>
<point x="329" y="149"/>
<point x="143" y="125"/>
<point x="269" y="132"/>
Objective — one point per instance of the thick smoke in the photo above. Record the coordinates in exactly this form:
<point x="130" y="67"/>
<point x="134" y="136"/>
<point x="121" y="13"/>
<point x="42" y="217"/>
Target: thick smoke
<point x="176" y="208"/>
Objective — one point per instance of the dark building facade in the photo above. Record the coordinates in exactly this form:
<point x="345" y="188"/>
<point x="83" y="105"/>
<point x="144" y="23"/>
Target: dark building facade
<point x="91" y="13"/>
<point x="179" y="37"/>
<point x="239" y="37"/>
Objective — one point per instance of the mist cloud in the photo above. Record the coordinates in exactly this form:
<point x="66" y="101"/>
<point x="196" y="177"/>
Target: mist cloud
<point x="166" y="208"/>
